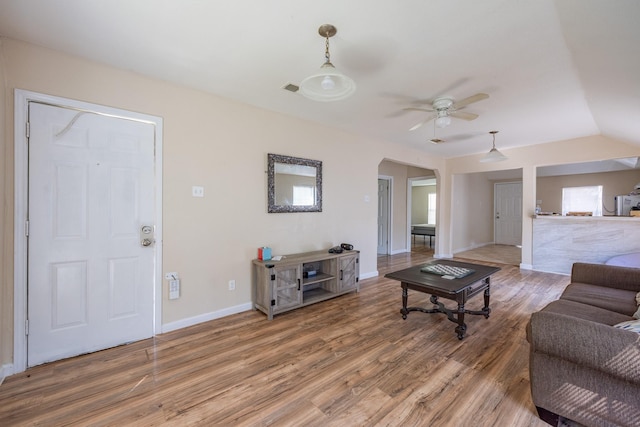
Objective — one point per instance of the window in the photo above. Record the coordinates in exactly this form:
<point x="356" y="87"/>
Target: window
<point x="431" y="208"/>
<point x="582" y="199"/>
<point x="304" y="195"/>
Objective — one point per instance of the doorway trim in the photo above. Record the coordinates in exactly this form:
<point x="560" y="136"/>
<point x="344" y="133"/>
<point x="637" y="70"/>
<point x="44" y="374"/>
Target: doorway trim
<point x="389" y="236"/>
<point x="21" y="186"/>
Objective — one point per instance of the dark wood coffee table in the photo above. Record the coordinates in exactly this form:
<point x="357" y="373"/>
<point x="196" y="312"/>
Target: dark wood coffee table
<point x="459" y="290"/>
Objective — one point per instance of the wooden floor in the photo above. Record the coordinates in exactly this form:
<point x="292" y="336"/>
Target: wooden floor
<point x="351" y="361"/>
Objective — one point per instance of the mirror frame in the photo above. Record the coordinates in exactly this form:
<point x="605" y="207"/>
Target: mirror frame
<point x="272" y="159"/>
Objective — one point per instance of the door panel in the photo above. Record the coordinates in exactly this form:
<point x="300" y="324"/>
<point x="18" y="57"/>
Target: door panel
<point x="287" y="287"/>
<point x="91" y="188"/>
<point x="508" y="217"/>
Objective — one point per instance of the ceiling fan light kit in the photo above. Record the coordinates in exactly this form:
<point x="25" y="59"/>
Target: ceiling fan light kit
<point x="443" y="119"/>
<point x="493" y="155"/>
<point x="445" y="107"/>
<point x="328" y="84"/>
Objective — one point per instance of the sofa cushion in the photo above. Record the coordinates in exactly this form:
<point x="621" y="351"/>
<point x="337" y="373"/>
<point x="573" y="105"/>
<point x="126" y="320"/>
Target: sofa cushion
<point x="619" y="300"/>
<point x="629" y="325"/>
<point x="586" y="312"/>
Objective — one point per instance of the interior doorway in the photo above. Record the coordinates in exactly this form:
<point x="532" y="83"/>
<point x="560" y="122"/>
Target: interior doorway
<point x="421" y="212"/>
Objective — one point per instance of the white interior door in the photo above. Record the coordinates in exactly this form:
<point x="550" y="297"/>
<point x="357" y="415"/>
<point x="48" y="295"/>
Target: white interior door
<point x="91" y="189"/>
<point x="508" y="213"/>
<point x="383" y="216"/>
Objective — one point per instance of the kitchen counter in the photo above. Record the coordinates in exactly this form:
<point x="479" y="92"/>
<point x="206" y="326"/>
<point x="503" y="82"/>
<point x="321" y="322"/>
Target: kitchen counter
<point x="559" y="241"/>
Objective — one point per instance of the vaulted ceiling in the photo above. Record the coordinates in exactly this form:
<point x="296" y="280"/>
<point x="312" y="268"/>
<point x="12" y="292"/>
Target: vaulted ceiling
<point x="553" y="69"/>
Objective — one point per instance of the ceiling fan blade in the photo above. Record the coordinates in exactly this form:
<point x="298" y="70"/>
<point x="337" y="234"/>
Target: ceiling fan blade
<point x="416" y="126"/>
<point x="417" y="109"/>
<point x="463" y="115"/>
<point x="474" y="98"/>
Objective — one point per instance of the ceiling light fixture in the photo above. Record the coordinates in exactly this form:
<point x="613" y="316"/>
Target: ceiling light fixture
<point x="443" y="119"/>
<point x="493" y="155"/>
<point x="328" y="84"/>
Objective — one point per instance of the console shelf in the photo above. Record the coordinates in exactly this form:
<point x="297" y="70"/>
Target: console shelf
<point x="321" y="277"/>
<point x="280" y="286"/>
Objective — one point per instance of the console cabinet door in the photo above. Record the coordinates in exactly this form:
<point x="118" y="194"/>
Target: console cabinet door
<point x="349" y="272"/>
<point x="286" y="287"/>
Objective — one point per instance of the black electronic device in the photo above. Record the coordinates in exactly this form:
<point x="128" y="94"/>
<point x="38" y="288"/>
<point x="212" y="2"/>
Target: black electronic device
<point x="335" y="250"/>
<point x="346" y="246"/>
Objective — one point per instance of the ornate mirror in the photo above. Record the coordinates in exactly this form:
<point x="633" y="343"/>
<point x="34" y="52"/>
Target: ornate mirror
<point x="294" y="184"/>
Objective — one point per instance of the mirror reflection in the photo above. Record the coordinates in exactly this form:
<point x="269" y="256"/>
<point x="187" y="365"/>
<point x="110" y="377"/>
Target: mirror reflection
<point x="294" y="184"/>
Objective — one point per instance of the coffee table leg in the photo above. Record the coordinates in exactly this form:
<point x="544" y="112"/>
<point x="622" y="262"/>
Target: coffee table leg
<point x="405" y="294"/>
<point x="486" y="308"/>
<point x="461" y="328"/>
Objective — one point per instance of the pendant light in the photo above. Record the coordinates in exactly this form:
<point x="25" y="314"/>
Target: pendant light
<point x="493" y="155"/>
<point x="328" y="84"/>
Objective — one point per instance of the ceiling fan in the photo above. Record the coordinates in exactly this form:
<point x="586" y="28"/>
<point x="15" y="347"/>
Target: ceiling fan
<point x="445" y="107"/>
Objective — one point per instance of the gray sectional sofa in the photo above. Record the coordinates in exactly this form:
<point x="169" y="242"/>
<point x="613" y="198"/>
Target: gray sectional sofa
<point x="581" y="366"/>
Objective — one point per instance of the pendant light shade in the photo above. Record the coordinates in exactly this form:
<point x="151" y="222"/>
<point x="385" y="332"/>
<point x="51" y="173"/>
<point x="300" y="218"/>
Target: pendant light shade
<point x="328" y="84"/>
<point x="493" y="155"/>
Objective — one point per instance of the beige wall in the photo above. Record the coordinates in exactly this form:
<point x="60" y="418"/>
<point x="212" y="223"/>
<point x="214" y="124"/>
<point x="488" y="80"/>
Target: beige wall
<point x="549" y="189"/>
<point x="472" y="211"/>
<point x="221" y="145"/>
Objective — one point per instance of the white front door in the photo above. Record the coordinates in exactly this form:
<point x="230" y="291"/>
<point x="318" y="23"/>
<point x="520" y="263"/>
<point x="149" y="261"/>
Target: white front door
<point x="91" y="190"/>
<point x="508" y="213"/>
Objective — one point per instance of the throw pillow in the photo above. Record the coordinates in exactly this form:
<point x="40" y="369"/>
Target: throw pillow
<point x="636" y="315"/>
<point x="629" y="325"/>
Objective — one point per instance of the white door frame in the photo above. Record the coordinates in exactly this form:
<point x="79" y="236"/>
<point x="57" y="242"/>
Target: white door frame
<point x="21" y="177"/>
<point x="389" y="236"/>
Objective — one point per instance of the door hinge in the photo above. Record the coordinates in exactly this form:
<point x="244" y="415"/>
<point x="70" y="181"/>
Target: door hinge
<point x="27" y="129"/>
<point x="273" y="302"/>
<point x="26" y="228"/>
<point x="26" y="327"/>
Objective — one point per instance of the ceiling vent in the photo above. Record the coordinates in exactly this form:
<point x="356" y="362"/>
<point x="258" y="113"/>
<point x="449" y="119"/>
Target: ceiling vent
<point x="291" y="87"/>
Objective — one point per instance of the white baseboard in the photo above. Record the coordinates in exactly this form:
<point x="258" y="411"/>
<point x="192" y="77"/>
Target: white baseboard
<point x="398" y="251"/>
<point x="443" y="256"/>
<point x="190" y="321"/>
<point x="369" y="275"/>
<point x="472" y="247"/>
<point x="526" y="266"/>
<point x="5" y="371"/>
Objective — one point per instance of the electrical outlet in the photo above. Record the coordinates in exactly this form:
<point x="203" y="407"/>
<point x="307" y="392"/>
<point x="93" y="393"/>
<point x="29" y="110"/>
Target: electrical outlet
<point x="197" y="191"/>
<point x="232" y="285"/>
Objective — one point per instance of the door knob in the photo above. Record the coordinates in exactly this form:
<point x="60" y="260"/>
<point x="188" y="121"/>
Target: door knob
<point x="146" y="235"/>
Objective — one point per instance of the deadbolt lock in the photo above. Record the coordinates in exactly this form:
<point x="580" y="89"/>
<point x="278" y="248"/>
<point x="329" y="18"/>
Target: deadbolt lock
<point x="146" y="235"/>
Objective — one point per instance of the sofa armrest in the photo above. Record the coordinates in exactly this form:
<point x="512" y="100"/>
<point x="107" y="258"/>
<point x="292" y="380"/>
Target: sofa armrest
<point x="611" y="276"/>
<point x="589" y="344"/>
